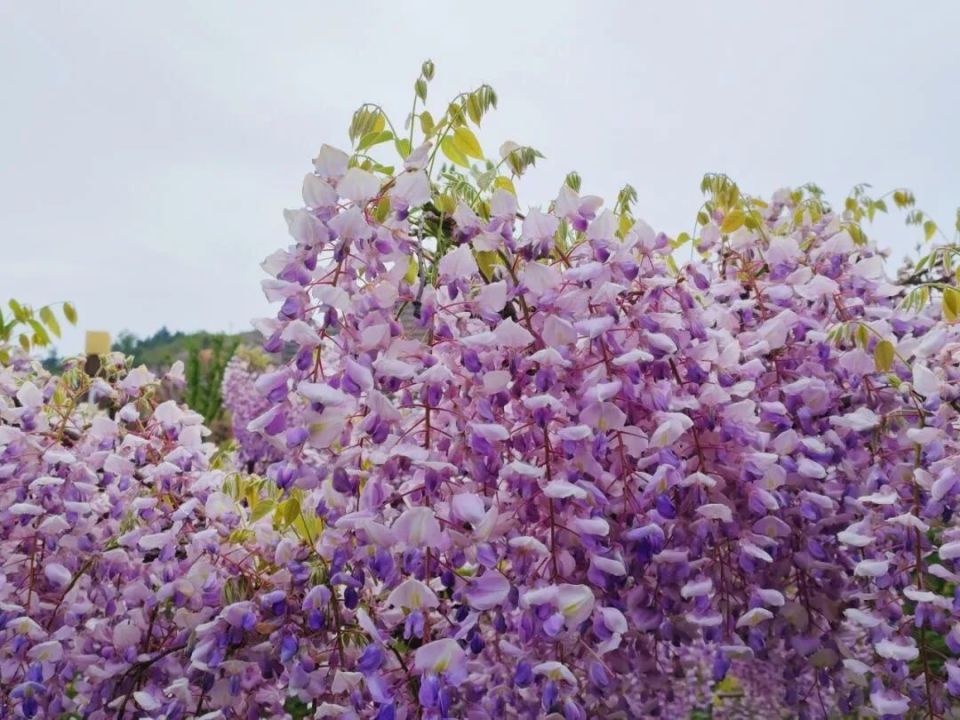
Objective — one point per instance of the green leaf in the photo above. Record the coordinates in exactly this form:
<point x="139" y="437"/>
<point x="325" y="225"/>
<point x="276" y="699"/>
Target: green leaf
<point x="951" y="304"/>
<point x="374" y="138"/>
<point x="24" y="341"/>
<point x="262" y="509"/>
<point x="863" y="337"/>
<point x="366" y="121"/>
<point x="382" y="209"/>
<point x="467" y="143"/>
<point x="40" y="336"/>
<point x="504" y="183"/>
<point x="474" y="108"/>
<point x="297" y="708"/>
<point x="486" y="178"/>
<point x="420" y="88"/>
<point x="902" y="198"/>
<point x="929" y="229"/>
<point x="521" y="158"/>
<point x="403" y="147"/>
<point x="732" y="221"/>
<point x="70" y="313"/>
<point x="289" y="510"/>
<point x="46" y="314"/>
<point x="883" y="355"/>
<point x="455" y="112"/>
<point x="412" y="271"/>
<point x="486" y="259"/>
<point x="427" y="69"/>
<point x="445" y="203"/>
<point x="427" y="124"/>
<point x="19" y="311"/>
<point x="573" y="181"/>
<point x="453" y="153"/>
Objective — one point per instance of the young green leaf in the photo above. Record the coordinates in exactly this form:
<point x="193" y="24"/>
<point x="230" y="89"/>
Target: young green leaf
<point x="467" y="143"/>
<point x="427" y="124"/>
<point x="504" y="183"/>
<point x="863" y="337"/>
<point x="453" y="153"/>
<point x="374" y="138"/>
<point x="883" y="355"/>
<point x="427" y="69"/>
<point x="261" y="510"/>
<point x="19" y="311"/>
<point x="951" y="304"/>
<point x="412" y="271"/>
<point x="486" y="178"/>
<point x="573" y="181"/>
<point x="486" y="260"/>
<point x="382" y="210"/>
<point x="40" y="336"/>
<point x="403" y="147"/>
<point x="446" y="204"/>
<point x="732" y="221"/>
<point x="474" y="109"/>
<point x="289" y="510"/>
<point x="46" y="314"/>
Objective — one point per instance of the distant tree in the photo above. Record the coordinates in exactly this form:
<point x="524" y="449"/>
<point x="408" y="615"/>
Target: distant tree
<point x="206" y="363"/>
<point x="52" y="362"/>
<point x="126" y="343"/>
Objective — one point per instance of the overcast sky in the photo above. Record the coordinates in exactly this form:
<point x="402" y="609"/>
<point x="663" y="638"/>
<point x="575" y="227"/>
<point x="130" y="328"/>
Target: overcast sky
<point x="147" y="149"/>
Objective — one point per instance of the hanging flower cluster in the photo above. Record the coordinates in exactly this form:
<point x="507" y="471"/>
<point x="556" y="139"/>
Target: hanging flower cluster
<point x="523" y="462"/>
<point x="243" y="403"/>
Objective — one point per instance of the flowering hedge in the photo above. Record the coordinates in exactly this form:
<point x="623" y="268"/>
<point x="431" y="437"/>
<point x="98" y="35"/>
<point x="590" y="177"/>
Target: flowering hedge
<point x="521" y="463"/>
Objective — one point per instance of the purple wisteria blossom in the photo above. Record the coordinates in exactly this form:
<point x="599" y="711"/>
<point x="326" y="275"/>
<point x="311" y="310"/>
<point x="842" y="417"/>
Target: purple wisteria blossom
<point x="520" y="463"/>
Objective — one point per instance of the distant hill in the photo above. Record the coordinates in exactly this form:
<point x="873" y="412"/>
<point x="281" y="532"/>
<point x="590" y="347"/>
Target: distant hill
<point x="163" y="348"/>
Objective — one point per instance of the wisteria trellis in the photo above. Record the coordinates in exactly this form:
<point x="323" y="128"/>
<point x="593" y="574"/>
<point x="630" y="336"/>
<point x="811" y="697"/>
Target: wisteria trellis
<point x="521" y="464"/>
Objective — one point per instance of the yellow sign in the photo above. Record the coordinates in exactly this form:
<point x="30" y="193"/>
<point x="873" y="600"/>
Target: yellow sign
<point x="98" y="342"/>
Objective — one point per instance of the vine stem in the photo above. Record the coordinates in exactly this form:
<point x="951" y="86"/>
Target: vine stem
<point x="553" y="521"/>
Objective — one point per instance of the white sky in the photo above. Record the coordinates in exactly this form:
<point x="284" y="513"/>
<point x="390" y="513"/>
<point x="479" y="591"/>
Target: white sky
<point x="148" y="149"/>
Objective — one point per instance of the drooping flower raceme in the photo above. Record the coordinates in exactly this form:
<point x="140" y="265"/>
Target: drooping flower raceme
<point x="244" y="402"/>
